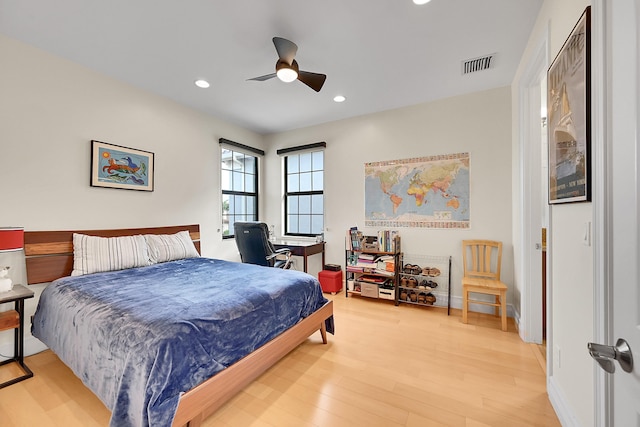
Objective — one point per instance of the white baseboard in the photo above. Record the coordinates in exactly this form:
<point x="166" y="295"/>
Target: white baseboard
<point x="456" y="302"/>
<point x="516" y="319"/>
<point x="559" y="402"/>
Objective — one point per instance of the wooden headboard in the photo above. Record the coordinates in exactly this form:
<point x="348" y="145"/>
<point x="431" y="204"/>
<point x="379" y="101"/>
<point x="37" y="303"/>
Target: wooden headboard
<point x="49" y="254"/>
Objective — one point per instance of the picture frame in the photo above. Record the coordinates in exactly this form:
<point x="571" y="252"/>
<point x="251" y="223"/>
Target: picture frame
<point x="569" y="117"/>
<point x="114" y="166"/>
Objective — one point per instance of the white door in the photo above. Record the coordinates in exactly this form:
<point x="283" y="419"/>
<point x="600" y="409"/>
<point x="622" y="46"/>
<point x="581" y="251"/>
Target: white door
<point x="622" y="229"/>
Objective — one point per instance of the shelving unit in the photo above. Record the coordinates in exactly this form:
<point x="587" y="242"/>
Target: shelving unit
<point x="424" y="280"/>
<point x="373" y="280"/>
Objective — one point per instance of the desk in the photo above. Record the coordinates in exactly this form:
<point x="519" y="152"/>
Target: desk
<point x="15" y="320"/>
<point x="302" y="248"/>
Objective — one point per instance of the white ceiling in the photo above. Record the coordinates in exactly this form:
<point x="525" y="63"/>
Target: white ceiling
<point x="380" y="54"/>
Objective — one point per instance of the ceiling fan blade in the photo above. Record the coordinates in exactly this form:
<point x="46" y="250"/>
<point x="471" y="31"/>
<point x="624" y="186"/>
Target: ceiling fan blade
<point x="265" y="77"/>
<point x="313" y="80"/>
<point x="286" y="49"/>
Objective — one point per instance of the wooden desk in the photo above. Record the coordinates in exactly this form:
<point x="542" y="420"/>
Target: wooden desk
<point x="301" y="248"/>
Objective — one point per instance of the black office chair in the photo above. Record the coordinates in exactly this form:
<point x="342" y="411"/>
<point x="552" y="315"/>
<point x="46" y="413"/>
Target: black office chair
<point x="252" y="239"/>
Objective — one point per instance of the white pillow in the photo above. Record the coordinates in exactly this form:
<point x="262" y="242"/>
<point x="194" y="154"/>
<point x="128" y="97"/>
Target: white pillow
<point x="169" y="247"/>
<point x="93" y="254"/>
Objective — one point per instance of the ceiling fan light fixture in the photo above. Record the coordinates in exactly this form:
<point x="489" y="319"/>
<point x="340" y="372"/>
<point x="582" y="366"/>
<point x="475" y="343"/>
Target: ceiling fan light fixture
<point x="202" y="83"/>
<point x="287" y="69"/>
<point x="287" y="75"/>
<point x="339" y="98"/>
<point x="285" y="72"/>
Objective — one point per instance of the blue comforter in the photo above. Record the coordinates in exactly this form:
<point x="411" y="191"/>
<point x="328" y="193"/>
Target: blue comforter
<point x="139" y="338"/>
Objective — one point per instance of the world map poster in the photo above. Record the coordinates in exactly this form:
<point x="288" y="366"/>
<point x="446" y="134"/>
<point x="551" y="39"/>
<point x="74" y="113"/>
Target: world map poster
<point x="424" y="192"/>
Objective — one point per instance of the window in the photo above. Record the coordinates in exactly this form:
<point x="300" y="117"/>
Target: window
<point x="239" y="183"/>
<point x="304" y="193"/>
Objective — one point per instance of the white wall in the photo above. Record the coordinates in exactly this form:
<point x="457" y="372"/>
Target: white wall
<point x="478" y="123"/>
<point x="570" y="262"/>
<point x="52" y="108"/>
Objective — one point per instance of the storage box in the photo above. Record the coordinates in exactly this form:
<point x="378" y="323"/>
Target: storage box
<point x="384" y="293"/>
<point x="369" y="290"/>
<point x="331" y="281"/>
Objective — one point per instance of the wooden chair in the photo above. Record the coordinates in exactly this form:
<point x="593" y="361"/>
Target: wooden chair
<point x="482" y="259"/>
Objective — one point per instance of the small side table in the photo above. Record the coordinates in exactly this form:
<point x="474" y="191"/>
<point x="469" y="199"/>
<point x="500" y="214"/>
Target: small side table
<point x="14" y="319"/>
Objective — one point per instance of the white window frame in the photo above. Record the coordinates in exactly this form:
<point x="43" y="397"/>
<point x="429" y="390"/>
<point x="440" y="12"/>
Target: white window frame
<point x="230" y="190"/>
<point x="304" y="183"/>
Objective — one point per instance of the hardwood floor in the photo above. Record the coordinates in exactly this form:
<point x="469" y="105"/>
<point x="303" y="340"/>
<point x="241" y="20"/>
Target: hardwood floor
<point x="386" y="366"/>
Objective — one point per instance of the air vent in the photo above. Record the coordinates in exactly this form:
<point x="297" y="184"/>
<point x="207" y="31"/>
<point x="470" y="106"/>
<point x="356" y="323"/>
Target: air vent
<point x="477" y="64"/>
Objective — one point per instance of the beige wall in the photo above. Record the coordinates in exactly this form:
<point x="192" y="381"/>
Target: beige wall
<point x="50" y="110"/>
<point x="571" y="279"/>
<point x="478" y="123"/>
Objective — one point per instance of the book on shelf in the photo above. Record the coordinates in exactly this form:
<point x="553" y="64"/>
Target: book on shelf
<point x="384" y="241"/>
<point x="366" y="258"/>
<point x="369" y="266"/>
<point x="386" y="263"/>
<point x="373" y="279"/>
<point x="389" y="273"/>
<point x="387" y="240"/>
<point x="353" y="239"/>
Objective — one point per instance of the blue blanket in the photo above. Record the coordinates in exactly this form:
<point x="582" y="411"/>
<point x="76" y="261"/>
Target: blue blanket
<point x="139" y="338"/>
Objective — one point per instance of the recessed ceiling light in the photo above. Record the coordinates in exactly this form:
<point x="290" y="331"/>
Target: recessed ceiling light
<point x="202" y="83"/>
<point x="421" y="1"/>
<point x="339" y="98"/>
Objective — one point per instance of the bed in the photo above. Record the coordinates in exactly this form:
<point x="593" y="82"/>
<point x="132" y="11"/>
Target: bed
<point x="171" y="342"/>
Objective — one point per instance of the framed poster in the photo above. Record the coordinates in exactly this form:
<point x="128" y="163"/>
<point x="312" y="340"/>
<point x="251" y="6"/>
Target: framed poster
<point x="569" y="113"/>
<point x="114" y="166"/>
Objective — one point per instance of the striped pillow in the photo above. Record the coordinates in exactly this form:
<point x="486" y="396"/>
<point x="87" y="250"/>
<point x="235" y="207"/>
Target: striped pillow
<point x="170" y="247"/>
<point x="93" y="254"/>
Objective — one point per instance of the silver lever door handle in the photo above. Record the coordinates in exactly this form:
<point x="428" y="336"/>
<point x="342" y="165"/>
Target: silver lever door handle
<point x="606" y="354"/>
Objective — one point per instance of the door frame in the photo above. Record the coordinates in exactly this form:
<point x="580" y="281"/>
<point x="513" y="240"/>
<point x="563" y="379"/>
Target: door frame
<point x="529" y="276"/>
<point x="602" y="226"/>
<point x="601" y="181"/>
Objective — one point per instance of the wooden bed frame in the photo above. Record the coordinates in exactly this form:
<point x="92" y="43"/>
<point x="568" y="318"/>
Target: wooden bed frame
<point x="49" y="256"/>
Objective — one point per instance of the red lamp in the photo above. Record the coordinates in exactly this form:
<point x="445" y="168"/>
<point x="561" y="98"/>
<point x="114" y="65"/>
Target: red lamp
<point x="11" y="239"/>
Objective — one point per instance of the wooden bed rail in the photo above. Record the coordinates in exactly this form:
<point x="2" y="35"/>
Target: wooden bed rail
<point x="49" y="254"/>
<point x="203" y="400"/>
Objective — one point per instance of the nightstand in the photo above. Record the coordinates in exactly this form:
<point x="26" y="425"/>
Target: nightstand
<point x="14" y="319"/>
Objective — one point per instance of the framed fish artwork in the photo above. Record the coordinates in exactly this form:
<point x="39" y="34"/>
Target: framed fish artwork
<point x="114" y="166"/>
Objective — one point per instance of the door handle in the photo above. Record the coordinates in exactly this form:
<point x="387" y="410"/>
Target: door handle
<point x="606" y="354"/>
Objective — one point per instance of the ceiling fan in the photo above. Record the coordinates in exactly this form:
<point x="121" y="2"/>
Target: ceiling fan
<point x="287" y="68"/>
